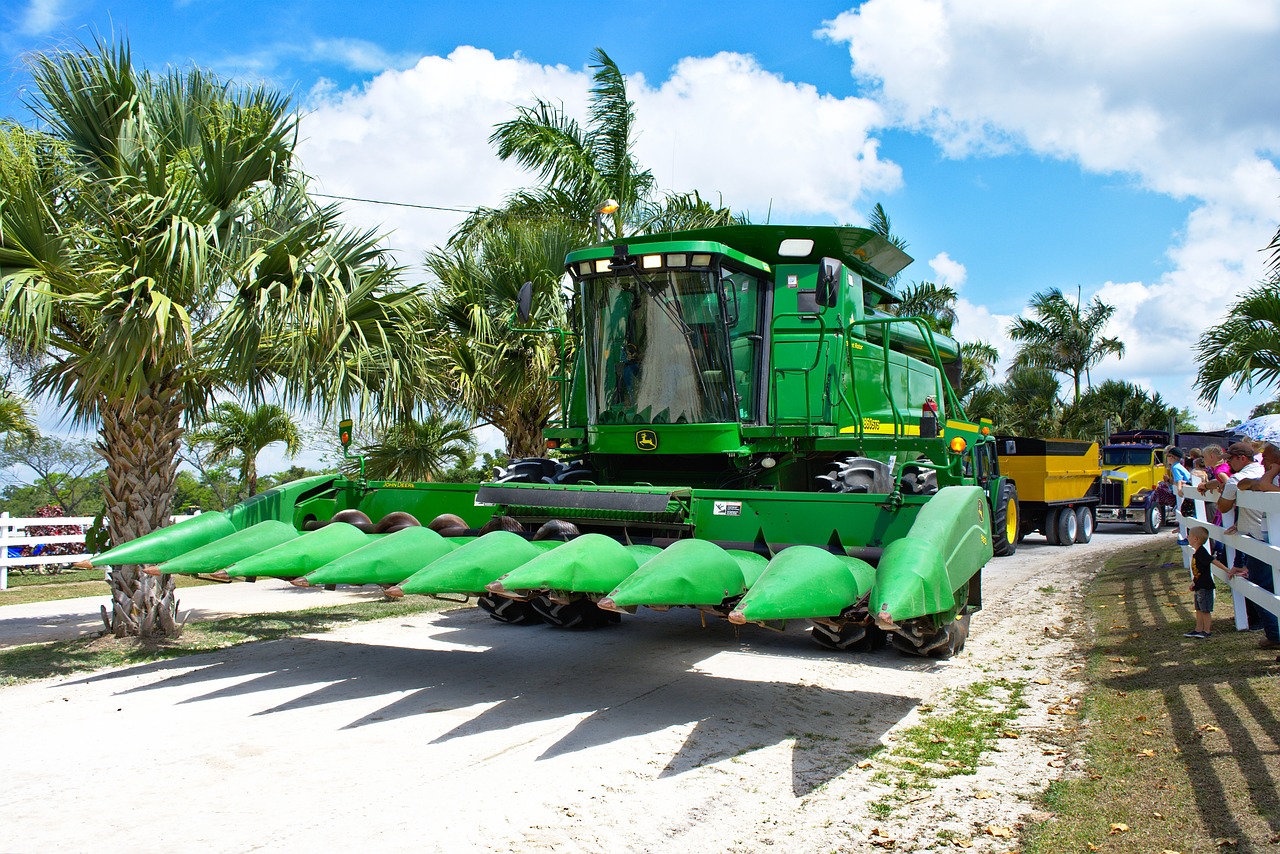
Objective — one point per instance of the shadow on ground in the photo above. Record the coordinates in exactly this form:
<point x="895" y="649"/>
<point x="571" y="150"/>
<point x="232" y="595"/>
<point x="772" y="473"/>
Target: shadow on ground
<point x="639" y="678"/>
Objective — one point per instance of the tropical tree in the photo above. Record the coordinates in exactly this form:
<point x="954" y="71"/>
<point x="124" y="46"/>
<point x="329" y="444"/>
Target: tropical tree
<point x="65" y="472"/>
<point x="580" y="168"/>
<point x="935" y="303"/>
<point x="1244" y="349"/>
<point x="978" y="361"/>
<point x="16" y="422"/>
<point x="233" y="431"/>
<point x="420" y="450"/>
<point x="1126" y="406"/>
<point x="158" y="247"/>
<point x="503" y="372"/>
<point x="1064" y="337"/>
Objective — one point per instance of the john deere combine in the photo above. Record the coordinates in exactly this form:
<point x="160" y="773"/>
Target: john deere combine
<point x="745" y="431"/>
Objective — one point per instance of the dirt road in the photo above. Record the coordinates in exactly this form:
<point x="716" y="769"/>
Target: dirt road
<point x="449" y="732"/>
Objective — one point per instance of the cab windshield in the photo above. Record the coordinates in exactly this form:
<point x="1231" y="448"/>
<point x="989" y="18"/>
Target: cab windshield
<point x="1134" y="456"/>
<point x="658" y="347"/>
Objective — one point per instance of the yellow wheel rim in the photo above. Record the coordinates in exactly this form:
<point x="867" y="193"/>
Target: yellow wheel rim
<point x="1011" y="521"/>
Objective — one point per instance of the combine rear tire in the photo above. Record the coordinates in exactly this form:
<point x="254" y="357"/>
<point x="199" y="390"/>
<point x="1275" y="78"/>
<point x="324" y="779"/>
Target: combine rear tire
<point x="511" y="611"/>
<point x="1068" y="526"/>
<point x="1006" y="521"/>
<point x="1085" y="524"/>
<point x="850" y="637"/>
<point x="579" y="615"/>
<point x="1152" y="518"/>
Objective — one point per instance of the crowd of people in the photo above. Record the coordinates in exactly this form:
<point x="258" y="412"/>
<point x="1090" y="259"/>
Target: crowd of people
<point x="1213" y="471"/>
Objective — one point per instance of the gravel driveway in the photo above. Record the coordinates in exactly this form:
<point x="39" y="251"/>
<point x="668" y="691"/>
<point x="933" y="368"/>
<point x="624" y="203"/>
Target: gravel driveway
<point x="449" y="732"/>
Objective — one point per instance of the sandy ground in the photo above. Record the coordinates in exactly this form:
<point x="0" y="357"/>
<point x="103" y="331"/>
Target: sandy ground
<point x="449" y="732"/>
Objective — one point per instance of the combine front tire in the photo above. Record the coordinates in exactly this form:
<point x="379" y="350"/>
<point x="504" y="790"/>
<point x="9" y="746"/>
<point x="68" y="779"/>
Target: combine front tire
<point x="849" y="637"/>
<point x="579" y="614"/>
<point x="512" y="611"/>
<point x="1006" y="521"/>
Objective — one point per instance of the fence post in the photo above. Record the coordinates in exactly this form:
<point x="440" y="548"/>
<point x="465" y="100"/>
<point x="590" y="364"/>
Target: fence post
<point x="4" y="550"/>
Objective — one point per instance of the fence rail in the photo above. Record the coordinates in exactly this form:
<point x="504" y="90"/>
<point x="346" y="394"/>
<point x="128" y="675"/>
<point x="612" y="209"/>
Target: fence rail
<point x="13" y="545"/>
<point x="1241" y="588"/>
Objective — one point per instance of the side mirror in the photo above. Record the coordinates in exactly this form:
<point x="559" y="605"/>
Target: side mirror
<point x="524" y="302"/>
<point x="828" y="278"/>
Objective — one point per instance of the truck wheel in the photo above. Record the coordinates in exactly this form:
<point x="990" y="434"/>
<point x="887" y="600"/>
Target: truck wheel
<point x="1152" y="518"/>
<point x="1006" y="521"/>
<point x="1068" y="526"/>
<point x="1084" y="524"/>
<point x="1051" y="525"/>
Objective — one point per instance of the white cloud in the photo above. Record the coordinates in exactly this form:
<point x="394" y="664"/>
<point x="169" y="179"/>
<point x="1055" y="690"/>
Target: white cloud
<point x="420" y="136"/>
<point x="1182" y="96"/>
<point x="42" y="17"/>
<point x="947" y="271"/>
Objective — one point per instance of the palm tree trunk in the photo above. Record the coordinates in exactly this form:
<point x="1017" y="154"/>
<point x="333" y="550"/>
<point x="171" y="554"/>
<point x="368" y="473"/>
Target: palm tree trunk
<point x="524" y="438"/>
<point x="140" y="443"/>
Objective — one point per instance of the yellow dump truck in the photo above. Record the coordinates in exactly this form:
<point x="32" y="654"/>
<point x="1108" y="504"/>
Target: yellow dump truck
<point x="1058" y="483"/>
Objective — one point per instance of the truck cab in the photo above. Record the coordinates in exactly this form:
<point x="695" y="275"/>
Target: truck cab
<point x="1132" y="466"/>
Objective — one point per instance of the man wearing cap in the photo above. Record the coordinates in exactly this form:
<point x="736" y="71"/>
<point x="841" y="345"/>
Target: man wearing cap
<point x="1251" y="524"/>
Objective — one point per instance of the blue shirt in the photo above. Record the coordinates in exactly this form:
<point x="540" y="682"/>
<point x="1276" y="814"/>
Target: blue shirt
<point x="1180" y="473"/>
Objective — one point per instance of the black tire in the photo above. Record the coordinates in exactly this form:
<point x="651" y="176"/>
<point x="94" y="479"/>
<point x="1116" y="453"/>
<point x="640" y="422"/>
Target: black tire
<point x="955" y="634"/>
<point x="848" y="638"/>
<point x="512" y="611"/>
<point x="1152" y="518"/>
<point x="1068" y="526"/>
<point x="578" y="615"/>
<point x="1085" y="524"/>
<point x="1050" y="527"/>
<point x="1001" y="524"/>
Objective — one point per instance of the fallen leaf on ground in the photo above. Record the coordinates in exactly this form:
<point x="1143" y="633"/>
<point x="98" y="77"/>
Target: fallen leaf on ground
<point x="1043" y="681"/>
<point x="1208" y="728"/>
<point x="1170" y="851"/>
<point x="1226" y="842"/>
<point x="962" y="843"/>
<point x="866" y="763"/>
<point x="1002" y="832"/>
<point x="1009" y="734"/>
<point x="1147" y="732"/>
<point x="983" y="794"/>
<point x="1147" y="752"/>
<point x="1140" y="718"/>
<point x="1157" y="815"/>
<point x="1119" y="827"/>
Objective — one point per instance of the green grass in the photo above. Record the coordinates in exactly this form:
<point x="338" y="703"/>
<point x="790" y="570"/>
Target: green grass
<point x="1182" y="737"/>
<point x="948" y="742"/>
<point x="72" y="584"/>
<point x="63" y="658"/>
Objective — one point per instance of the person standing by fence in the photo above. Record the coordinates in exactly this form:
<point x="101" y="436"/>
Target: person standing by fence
<point x="1251" y="524"/>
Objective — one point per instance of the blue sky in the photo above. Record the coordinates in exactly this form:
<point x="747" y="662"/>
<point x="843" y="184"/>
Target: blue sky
<point x="1125" y="149"/>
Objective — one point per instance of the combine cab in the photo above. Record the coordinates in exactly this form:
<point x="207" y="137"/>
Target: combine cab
<point x="745" y="432"/>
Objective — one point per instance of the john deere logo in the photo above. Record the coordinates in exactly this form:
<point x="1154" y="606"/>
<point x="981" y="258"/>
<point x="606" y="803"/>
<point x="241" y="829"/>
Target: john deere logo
<point x="646" y="440"/>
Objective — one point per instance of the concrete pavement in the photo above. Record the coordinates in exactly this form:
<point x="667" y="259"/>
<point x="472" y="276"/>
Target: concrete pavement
<point x="64" y="619"/>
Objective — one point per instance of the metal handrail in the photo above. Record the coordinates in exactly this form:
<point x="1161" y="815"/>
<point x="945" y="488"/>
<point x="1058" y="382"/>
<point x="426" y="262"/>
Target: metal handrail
<point x="774" y="372"/>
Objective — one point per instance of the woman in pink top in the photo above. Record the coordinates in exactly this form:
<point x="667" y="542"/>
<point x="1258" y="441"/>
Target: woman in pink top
<point x="1218" y="472"/>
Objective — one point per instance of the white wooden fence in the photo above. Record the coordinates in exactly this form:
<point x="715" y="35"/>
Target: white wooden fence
<point x="13" y="535"/>
<point x="1241" y="588"/>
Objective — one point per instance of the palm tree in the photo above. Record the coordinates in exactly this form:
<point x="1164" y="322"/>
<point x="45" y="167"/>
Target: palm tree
<point x="233" y="430"/>
<point x="1030" y="402"/>
<point x="1127" y="406"/>
<point x="420" y="450"/>
<point x="158" y="247"/>
<point x="502" y="376"/>
<point x="935" y="303"/>
<point x="978" y="361"/>
<point x="1243" y="350"/>
<point x="16" y="422"/>
<point x="581" y="168"/>
<point x="1065" y="337"/>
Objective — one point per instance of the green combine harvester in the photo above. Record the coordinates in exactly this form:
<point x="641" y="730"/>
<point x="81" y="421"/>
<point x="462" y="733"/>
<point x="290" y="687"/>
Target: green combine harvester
<point x="745" y="431"/>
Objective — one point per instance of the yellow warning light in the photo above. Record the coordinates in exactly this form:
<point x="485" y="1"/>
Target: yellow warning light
<point x="958" y="445"/>
<point x="608" y="207"/>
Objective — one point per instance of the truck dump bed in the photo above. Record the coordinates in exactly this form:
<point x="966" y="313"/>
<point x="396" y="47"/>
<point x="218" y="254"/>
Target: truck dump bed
<point x="1050" y="470"/>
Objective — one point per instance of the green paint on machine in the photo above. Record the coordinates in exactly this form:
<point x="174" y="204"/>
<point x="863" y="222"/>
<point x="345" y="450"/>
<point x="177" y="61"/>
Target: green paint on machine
<point x="744" y="430"/>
